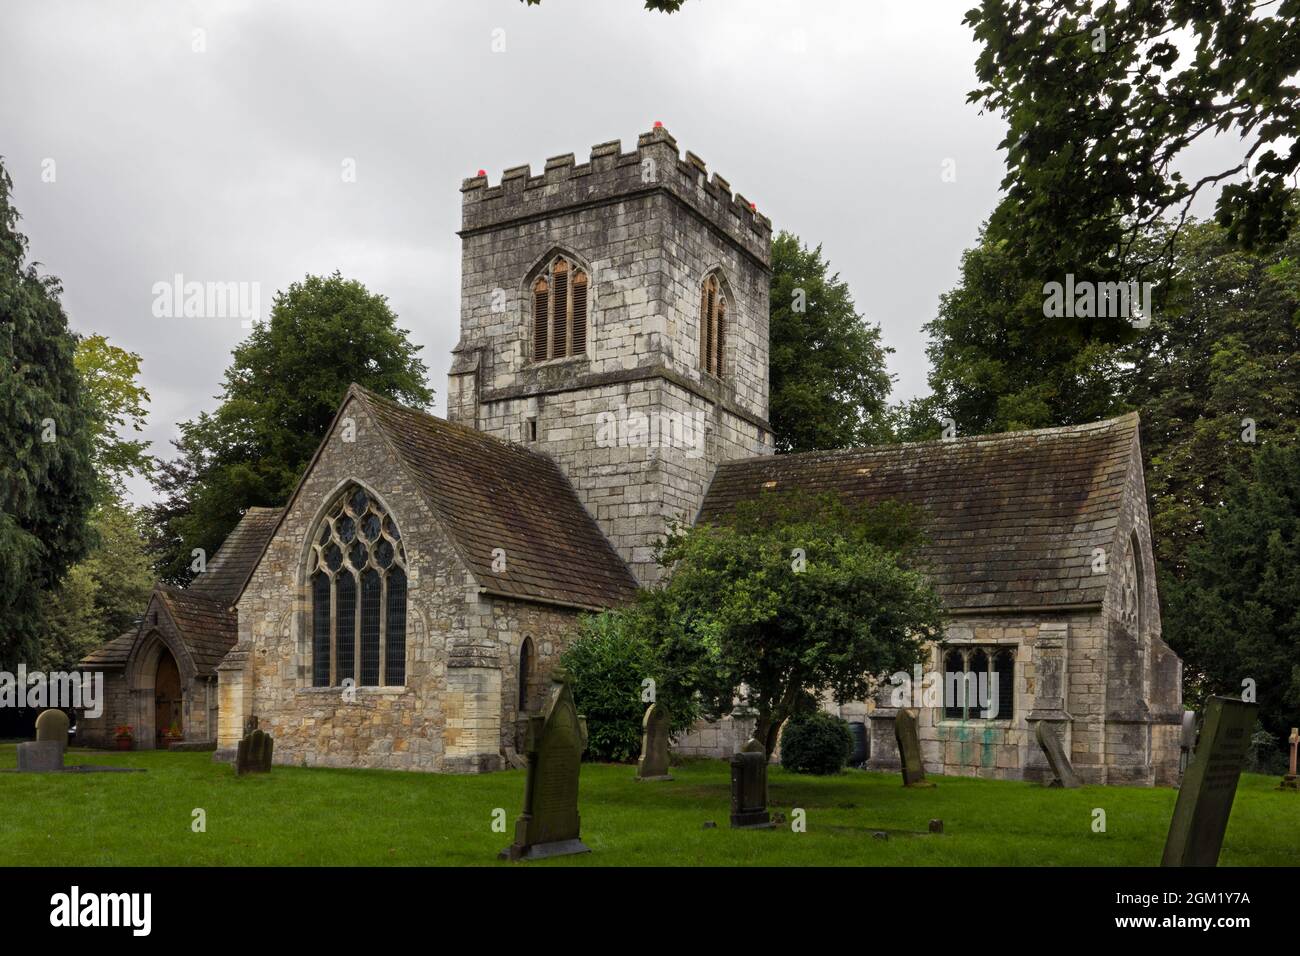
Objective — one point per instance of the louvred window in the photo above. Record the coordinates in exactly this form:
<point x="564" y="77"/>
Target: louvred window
<point x="560" y="311"/>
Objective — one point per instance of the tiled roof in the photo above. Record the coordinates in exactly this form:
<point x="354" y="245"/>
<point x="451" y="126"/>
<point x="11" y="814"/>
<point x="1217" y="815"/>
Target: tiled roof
<point x="233" y="563"/>
<point x="112" y="654"/>
<point x="208" y="626"/>
<point x="1012" y="519"/>
<point x="492" y="494"/>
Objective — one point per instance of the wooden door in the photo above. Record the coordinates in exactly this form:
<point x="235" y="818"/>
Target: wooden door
<point x="167" y="696"/>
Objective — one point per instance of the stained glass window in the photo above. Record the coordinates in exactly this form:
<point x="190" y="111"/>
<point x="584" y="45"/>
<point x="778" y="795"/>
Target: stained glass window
<point x="358" y="595"/>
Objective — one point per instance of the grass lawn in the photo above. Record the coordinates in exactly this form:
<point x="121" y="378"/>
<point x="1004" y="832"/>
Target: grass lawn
<point x="300" y="816"/>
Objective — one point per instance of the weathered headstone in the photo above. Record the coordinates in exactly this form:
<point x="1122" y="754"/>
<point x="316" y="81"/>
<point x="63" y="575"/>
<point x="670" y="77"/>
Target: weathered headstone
<point x="909" y="748"/>
<point x="1210" y="784"/>
<point x="1289" y="782"/>
<point x="1062" y="772"/>
<point x="254" y="753"/>
<point x="40" y="756"/>
<point x="653" y="764"/>
<point x="549" y="824"/>
<point x="749" y="787"/>
<point x="53" y="725"/>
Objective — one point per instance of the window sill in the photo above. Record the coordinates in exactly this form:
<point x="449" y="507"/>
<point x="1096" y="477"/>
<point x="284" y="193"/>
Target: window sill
<point x="386" y="691"/>
<point x="564" y="360"/>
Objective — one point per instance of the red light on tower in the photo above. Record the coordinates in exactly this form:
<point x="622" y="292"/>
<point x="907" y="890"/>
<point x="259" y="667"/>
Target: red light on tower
<point x="482" y="172"/>
<point x="659" y="124"/>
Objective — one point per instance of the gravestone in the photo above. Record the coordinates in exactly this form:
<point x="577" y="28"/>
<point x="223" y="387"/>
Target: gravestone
<point x="1062" y="772"/>
<point x="653" y="764"/>
<point x="254" y="753"/>
<point x="1188" y="741"/>
<point x="53" y="725"/>
<point x="40" y="756"/>
<point x="549" y="823"/>
<point x="1289" y="782"/>
<point x="749" y="787"/>
<point x="1210" y="784"/>
<point x="909" y="748"/>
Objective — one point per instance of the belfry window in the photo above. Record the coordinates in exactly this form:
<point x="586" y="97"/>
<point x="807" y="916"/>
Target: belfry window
<point x="559" y="311"/>
<point x="713" y="326"/>
<point x="358" y="595"/>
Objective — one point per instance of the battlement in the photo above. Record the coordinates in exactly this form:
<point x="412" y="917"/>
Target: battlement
<point x="611" y="175"/>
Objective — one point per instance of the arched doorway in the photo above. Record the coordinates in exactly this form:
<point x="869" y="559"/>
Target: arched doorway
<point x="167" y="696"/>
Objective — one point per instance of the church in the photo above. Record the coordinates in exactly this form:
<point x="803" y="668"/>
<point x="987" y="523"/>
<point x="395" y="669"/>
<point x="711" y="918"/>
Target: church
<point x="406" y="606"/>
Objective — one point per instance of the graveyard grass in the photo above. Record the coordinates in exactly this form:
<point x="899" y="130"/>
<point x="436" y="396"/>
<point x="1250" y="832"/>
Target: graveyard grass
<point x="301" y="816"/>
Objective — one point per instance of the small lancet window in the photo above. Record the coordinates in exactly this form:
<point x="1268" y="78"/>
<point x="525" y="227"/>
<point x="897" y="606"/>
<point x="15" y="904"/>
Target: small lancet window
<point x="713" y="326"/>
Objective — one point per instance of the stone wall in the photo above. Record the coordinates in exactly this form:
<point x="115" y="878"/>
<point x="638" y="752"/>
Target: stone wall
<point x="396" y="727"/>
<point x="99" y="731"/>
<point x="456" y="711"/>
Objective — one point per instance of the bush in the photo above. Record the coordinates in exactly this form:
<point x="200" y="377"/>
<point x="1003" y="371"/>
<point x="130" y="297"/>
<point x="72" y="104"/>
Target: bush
<point x="817" y="743"/>
<point x="606" y="664"/>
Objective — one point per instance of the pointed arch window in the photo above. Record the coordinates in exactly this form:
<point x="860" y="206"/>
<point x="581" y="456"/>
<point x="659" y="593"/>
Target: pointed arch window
<point x="525" y="673"/>
<point x="560" y="311"/>
<point x="358" y="595"/>
<point x="713" y="326"/>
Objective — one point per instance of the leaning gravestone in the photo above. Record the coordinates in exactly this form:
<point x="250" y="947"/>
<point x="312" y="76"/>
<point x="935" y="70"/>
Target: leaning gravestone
<point x="254" y="753"/>
<point x="1210" y="784"/>
<point x="749" y="788"/>
<point x="549" y="823"/>
<point x="653" y="764"/>
<point x="53" y="725"/>
<point x="1062" y="772"/>
<point x="909" y="749"/>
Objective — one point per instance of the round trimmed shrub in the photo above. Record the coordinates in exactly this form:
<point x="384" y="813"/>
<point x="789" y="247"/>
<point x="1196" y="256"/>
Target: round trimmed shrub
<point x="817" y="743"/>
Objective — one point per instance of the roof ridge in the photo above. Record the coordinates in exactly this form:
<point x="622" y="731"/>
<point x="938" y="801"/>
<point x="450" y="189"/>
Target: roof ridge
<point x="1101" y="425"/>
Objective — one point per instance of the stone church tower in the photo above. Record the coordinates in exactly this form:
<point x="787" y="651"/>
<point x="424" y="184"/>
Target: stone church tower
<point x="614" y="315"/>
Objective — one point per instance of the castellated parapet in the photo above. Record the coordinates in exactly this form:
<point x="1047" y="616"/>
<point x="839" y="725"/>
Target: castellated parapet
<point x="648" y="227"/>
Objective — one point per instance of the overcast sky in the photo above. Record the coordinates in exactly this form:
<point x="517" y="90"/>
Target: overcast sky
<point x="225" y="163"/>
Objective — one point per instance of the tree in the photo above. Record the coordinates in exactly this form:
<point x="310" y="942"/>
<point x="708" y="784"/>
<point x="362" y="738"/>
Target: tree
<point x="1235" y="616"/>
<point x="607" y="665"/>
<point x="997" y="363"/>
<point x="1216" y="377"/>
<point x="46" y="481"/>
<point x="281" y="392"/>
<point x="1101" y="103"/>
<point x="828" y="385"/>
<point x="102" y="595"/>
<point x="791" y="598"/>
<point x="110" y="379"/>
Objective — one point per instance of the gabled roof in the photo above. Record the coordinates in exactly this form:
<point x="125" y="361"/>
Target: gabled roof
<point x="202" y="612"/>
<point x="1012" y="519"/>
<point x="208" y="626"/>
<point x="491" y="494"/>
<point x="234" y="561"/>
